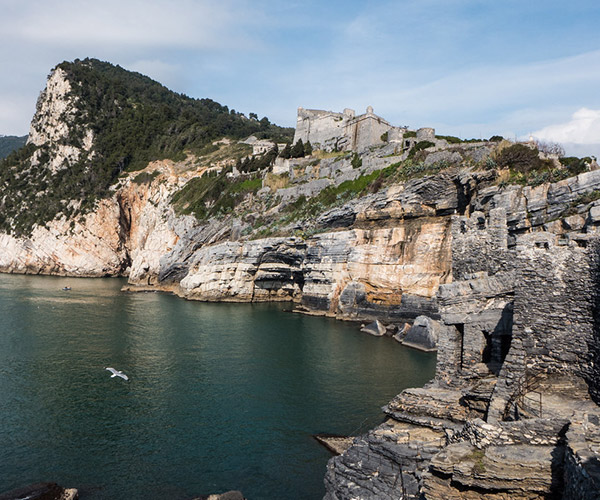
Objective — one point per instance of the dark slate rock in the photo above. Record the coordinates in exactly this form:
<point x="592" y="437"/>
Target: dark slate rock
<point x="38" y="491"/>
<point x="423" y="334"/>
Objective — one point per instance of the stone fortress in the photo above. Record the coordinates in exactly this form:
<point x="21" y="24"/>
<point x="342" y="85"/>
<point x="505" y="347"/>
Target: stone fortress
<point x="331" y="131"/>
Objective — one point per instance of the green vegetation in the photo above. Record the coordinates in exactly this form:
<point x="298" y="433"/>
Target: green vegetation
<point x="519" y="158"/>
<point x="10" y="143"/>
<point x="303" y="208"/>
<point x="297" y="150"/>
<point x="525" y="167"/>
<point x="575" y="165"/>
<point x="356" y="161"/>
<point x="134" y="120"/>
<point x="384" y="137"/>
<point x="477" y="456"/>
<point x="210" y="196"/>
<point x="256" y="163"/>
<point x="409" y="133"/>
<point x="419" y="146"/>
<point x="137" y="119"/>
<point x="450" y="139"/>
<point x="308" y="149"/>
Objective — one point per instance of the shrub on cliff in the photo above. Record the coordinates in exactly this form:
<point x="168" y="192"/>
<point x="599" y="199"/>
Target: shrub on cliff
<point x="209" y="196"/>
<point x="419" y="146"/>
<point x="575" y="165"/>
<point x="519" y="158"/>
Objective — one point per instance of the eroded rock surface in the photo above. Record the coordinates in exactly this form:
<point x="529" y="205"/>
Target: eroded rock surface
<point x="514" y="400"/>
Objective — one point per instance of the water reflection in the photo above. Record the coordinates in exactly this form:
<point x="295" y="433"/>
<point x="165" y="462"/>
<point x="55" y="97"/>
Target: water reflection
<point x="220" y="396"/>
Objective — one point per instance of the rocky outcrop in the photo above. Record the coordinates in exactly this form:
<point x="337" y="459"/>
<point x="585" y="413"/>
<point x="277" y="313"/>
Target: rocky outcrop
<point x="131" y="227"/>
<point x="51" y="127"/>
<point x="41" y="491"/>
<point x="254" y="271"/>
<point x="514" y="399"/>
<point x="422" y="335"/>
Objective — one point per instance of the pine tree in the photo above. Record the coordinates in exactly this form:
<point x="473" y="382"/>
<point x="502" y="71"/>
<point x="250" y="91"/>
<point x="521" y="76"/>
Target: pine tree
<point x="308" y="149"/>
<point x="298" y="149"/>
<point x="287" y="152"/>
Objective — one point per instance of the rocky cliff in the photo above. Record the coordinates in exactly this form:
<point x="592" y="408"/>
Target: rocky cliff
<point x="504" y="274"/>
<point x="513" y="410"/>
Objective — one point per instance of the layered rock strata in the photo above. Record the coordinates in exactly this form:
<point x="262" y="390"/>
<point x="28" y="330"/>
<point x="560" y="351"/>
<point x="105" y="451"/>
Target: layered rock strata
<point x="514" y="400"/>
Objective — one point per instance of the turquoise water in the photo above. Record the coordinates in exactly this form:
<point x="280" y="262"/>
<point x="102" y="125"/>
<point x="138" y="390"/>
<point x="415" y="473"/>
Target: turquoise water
<point x="220" y="397"/>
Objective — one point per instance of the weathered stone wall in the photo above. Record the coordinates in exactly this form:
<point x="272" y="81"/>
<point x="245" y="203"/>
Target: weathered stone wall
<point x="555" y="317"/>
<point x="476" y="309"/>
<point x="479" y="244"/>
<point x="581" y="465"/>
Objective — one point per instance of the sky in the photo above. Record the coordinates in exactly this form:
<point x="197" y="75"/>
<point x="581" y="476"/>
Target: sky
<point x="471" y="68"/>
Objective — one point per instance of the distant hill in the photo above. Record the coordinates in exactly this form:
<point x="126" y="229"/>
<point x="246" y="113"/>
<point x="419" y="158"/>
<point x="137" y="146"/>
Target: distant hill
<point x="10" y="143"/>
<point x="95" y="120"/>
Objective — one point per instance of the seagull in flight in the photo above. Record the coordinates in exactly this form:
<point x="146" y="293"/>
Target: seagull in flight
<point x="117" y="373"/>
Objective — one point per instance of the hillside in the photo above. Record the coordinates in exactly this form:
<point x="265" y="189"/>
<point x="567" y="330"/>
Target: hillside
<point x="95" y="121"/>
<point x="10" y="143"/>
<point x="486" y="250"/>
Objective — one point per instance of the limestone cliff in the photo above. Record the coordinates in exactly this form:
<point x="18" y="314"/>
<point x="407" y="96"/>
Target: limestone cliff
<point x="411" y="226"/>
<point x="513" y="410"/>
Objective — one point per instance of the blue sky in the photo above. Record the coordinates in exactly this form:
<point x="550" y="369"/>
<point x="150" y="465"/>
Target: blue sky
<point x="472" y="68"/>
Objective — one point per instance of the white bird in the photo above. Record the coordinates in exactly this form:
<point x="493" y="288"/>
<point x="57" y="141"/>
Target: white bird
<point x="117" y="373"/>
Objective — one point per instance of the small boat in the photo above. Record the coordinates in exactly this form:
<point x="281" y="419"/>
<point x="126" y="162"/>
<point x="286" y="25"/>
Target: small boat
<point x="66" y="288"/>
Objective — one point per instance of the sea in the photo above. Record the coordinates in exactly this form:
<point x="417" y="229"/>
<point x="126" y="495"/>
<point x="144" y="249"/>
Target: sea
<point x="220" y="396"/>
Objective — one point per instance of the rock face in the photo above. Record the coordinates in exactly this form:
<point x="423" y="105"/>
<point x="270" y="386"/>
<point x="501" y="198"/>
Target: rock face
<point x="50" y="127"/>
<point x="514" y="404"/>
<point x="385" y="259"/>
<point x="131" y="226"/>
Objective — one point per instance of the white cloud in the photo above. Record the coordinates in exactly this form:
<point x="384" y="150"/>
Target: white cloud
<point x="582" y="128"/>
<point x="193" y="24"/>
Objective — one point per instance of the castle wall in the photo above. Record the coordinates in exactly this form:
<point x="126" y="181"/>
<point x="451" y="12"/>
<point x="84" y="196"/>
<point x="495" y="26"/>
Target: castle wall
<point x="365" y="131"/>
<point x="324" y="129"/>
<point x="330" y="131"/>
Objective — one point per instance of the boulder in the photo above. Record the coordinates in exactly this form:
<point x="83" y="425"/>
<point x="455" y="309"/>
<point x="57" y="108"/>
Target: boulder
<point x="40" y="491"/>
<point x="228" y="495"/>
<point x="423" y="334"/>
<point x="376" y="328"/>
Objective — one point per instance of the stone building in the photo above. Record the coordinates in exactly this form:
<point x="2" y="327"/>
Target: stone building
<point x="344" y="131"/>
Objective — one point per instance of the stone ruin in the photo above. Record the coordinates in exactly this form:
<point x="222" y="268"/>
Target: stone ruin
<point x="512" y="412"/>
